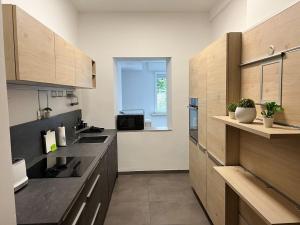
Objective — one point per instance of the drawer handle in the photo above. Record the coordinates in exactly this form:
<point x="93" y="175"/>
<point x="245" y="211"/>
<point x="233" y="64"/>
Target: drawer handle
<point x="93" y="186"/>
<point x="96" y="213"/>
<point x="79" y="213"/>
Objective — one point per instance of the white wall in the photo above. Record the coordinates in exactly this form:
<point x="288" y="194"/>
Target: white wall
<point x="231" y="18"/>
<point x="176" y="35"/>
<point x="7" y="208"/>
<point x="61" y="17"/>
<point x="240" y="15"/>
<point x="258" y="10"/>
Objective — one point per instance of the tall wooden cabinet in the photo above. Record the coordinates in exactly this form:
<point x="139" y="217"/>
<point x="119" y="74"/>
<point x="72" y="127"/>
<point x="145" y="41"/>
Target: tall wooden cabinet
<point x="223" y="87"/>
<point x="35" y="54"/>
<point x="197" y="151"/>
<point x="215" y="81"/>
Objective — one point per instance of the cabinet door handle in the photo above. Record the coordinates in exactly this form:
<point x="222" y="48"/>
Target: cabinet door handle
<point x="79" y="213"/>
<point x="93" y="186"/>
<point x="96" y="213"/>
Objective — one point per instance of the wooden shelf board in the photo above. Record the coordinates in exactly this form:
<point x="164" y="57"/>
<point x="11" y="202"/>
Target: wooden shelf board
<point x="257" y="128"/>
<point x="271" y="206"/>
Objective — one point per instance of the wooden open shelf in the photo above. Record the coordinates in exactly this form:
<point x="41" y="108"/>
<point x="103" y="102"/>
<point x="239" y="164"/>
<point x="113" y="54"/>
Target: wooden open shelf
<point x="271" y="206"/>
<point x="258" y="128"/>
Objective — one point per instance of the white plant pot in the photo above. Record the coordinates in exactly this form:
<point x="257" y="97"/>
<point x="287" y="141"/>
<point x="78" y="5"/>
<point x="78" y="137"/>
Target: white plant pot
<point x="231" y="115"/>
<point x="268" y="122"/>
<point x="245" y="115"/>
<point x="46" y="114"/>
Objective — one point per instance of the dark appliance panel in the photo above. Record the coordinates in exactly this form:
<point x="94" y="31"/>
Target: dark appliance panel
<point x="59" y="167"/>
<point x="130" y="122"/>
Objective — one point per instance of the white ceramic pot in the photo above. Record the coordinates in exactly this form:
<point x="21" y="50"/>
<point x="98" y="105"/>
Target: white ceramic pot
<point x="245" y="115"/>
<point x="47" y="114"/>
<point x="268" y="122"/>
<point x="231" y="115"/>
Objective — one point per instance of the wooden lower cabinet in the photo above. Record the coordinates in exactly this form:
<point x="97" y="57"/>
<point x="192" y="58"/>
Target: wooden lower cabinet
<point x="215" y="194"/>
<point x="198" y="171"/>
<point x="92" y="203"/>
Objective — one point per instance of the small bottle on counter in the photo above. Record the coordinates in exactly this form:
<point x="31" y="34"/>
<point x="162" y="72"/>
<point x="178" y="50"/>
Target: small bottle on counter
<point x="61" y="133"/>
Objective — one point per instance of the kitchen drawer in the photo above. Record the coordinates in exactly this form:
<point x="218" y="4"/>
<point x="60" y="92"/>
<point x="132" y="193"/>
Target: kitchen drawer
<point x="197" y="162"/>
<point x="97" y="198"/>
<point x="79" y="214"/>
<point x="215" y="193"/>
<point x="99" y="208"/>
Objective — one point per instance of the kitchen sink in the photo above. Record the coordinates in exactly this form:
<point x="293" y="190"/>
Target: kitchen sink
<point x="93" y="139"/>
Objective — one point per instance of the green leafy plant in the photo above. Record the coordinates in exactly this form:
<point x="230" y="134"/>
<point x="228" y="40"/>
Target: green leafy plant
<point x="232" y="107"/>
<point x="246" y="103"/>
<point x="271" y="108"/>
<point x="48" y="109"/>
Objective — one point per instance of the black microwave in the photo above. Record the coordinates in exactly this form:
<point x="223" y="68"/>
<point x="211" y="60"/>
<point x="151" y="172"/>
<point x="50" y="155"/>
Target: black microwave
<point x="130" y="122"/>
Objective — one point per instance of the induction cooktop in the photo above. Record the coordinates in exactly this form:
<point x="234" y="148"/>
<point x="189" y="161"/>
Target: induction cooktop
<point x="59" y="167"/>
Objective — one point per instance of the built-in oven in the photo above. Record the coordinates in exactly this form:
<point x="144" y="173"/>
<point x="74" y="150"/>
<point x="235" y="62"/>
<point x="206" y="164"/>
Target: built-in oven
<point x="193" y="118"/>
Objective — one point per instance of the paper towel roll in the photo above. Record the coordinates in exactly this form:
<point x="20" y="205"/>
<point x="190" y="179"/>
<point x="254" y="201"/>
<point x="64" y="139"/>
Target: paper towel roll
<point x="61" y="133"/>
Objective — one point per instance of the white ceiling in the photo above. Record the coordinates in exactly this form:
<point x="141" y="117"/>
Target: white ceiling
<point x="146" y="5"/>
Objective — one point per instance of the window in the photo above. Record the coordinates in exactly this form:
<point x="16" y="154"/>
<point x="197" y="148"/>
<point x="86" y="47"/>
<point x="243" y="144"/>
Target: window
<point x="142" y="85"/>
<point x="161" y="103"/>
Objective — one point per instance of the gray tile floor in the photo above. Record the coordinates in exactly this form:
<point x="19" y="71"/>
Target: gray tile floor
<point x="154" y="199"/>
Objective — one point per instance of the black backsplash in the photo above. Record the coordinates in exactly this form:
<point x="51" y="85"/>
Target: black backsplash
<point x="26" y="141"/>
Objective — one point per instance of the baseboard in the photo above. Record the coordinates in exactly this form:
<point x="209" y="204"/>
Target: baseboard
<point x="153" y="172"/>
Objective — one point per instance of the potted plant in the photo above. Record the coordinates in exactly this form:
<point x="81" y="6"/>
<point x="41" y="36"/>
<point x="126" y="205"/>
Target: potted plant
<point x="270" y="109"/>
<point x="246" y="111"/>
<point x="47" y="111"/>
<point x="231" y="110"/>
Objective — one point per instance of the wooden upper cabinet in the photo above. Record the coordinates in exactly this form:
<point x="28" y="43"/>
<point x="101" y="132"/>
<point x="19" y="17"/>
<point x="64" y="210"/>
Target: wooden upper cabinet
<point x="65" y="62"/>
<point x="35" y="54"/>
<point x="33" y="47"/>
<point x="84" y="70"/>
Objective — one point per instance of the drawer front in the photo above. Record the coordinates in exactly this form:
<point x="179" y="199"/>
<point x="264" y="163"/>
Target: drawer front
<point x="98" y="203"/>
<point x="215" y="194"/>
<point x="197" y="162"/>
<point x="97" y="197"/>
<point x="80" y="213"/>
<point x="77" y="213"/>
<point x="100" y="208"/>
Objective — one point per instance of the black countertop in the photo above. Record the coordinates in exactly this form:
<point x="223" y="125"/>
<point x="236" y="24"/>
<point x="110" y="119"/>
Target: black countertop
<point x="46" y="201"/>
